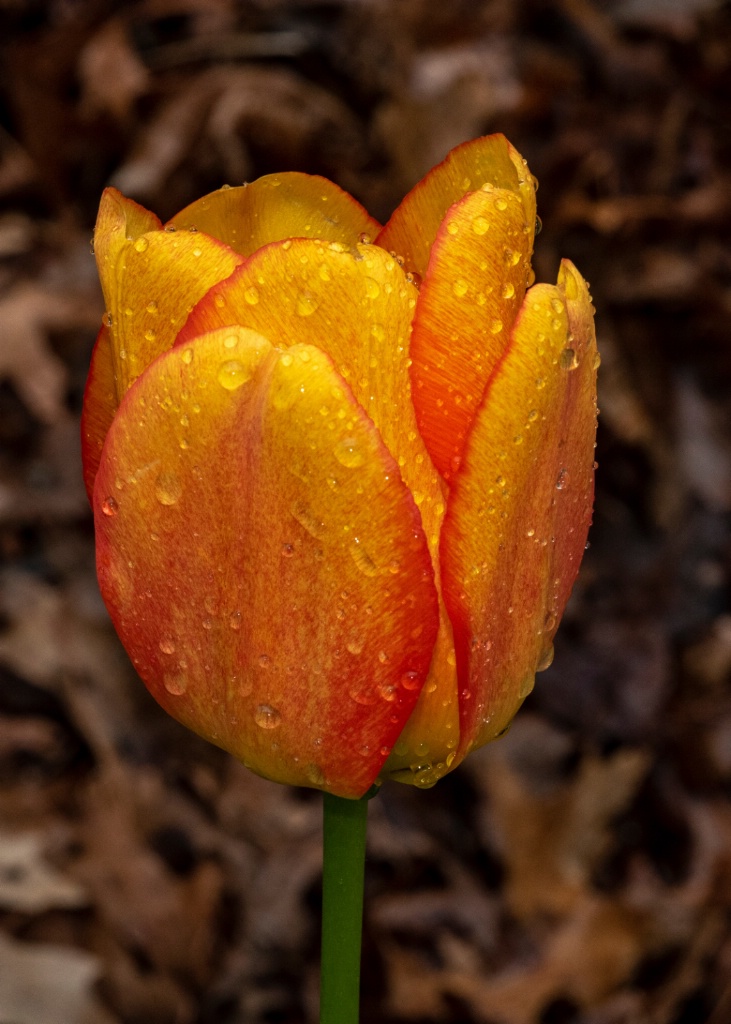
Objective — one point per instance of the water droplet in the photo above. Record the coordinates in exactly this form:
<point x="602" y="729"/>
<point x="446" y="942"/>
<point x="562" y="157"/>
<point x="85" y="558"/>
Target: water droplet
<point x="387" y="692"/>
<point x="315" y="775"/>
<point x="167" y="645"/>
<point x="348" y="453"/>
<point x="508" y="291"/>
<point x="597" y="361"/>
<point x="355" y="645"/>
<point x="562" y="480"/>
<point x="267" y="717"/>
<point x="460" y="287"/>
<point x="545" y="659"/>
<point x="141" y="244"/>
<point x="452" y="228"/>
<point x="496" y="326"/>
<point x="264" y="660"/>
<point x="251" y="295"/>
<point x="110" y="506"/>
<point x="410" y="680"/>
<point x="108" y="319"/>
<point x="378" y="331"/>
<point x="480" y="225"/>
<point x="234" y="621"/>
<point x="233" y="374"/>
<point x="373" y="289"/>
<point x="501" y="204"/>
<point x="176" y="683"/>
<point x="306" y="304"/>
<point x="568" y="359"/>
<point x="150" y="335"/>
<point x="539" y="225"/>
<point x="287" y="550"/>
<point x="168" y="489"/>
<point x="187" y="356"/>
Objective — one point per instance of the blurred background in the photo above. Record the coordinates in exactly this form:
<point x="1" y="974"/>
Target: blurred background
<point x="576" y="872"/>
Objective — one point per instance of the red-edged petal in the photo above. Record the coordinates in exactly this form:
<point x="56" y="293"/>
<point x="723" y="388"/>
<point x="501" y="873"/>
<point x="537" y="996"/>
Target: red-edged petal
<point x="278" y="206"/>
<point x="520" y="506"/>
<point x="414" y="224"/>
<point x="100" y="404"/>
<point x="151" y="279"/>
<point x="263" y="562"/>
<point x="473" y="288"/>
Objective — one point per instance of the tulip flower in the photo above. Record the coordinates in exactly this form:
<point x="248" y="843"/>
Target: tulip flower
<point x="341" y="474"/>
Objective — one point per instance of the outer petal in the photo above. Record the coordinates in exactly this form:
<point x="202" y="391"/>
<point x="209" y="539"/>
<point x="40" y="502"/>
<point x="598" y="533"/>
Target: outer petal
<point x="414" y="224"/>
<point x="151" y="280"/>
<point x="520" y="507"/>
<point x="263" y="561"/>
<point x="472" y="291"/>
<point x="275" y="207"/>
<point x="100" y="403"/>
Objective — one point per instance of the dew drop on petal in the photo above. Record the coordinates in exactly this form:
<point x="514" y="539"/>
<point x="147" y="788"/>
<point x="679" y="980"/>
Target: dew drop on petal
<point x="348" y="453"/>
<point x="167" y="645"/>
<point x="168" y="489"/>
<point x="110" y="506"/>
<point x="176" y="683"/>
<point x="267" y="717"/>
<point x="232" y="374"/>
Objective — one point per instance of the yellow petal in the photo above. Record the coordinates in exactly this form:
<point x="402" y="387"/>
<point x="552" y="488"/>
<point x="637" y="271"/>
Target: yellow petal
<point x="473" y="288"/>
<point x="276" y="207"/>
<point x="520" y="506"/>
<point x="151" y="279"/>
<point x="263" y="562"/>
<point x="414" y="224"/>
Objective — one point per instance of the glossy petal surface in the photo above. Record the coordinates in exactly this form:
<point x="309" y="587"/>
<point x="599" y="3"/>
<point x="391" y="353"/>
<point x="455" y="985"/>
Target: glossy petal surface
<point x="289" y="620"/>
<point x="276" y="207"/>
<point x="473" y="288"/>
<point x="357" y="306"/>
<point x="413" y="226"/>
<point x="520" y="506"/>
<point x="151" y="279"/>
<point x="100" y="404"/>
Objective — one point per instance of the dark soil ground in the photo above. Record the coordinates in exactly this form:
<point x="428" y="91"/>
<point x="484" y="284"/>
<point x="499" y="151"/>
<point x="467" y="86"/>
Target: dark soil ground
<point x="576" y="872"/>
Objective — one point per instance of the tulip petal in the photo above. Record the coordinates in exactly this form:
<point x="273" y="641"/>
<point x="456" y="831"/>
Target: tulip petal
<point x="262" y="560"/>
<point x="414" y="224"/>
<point x="275" y="207"/>
<point x="151" y="279"/>
<point x="356" y="305"/>
<point x="473" y="288"/>
<point x="100" y="403"/>
<point x="520" y="506"/>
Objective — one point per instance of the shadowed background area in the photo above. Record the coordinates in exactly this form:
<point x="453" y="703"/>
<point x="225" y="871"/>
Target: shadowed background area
<point x="579" y="870"/>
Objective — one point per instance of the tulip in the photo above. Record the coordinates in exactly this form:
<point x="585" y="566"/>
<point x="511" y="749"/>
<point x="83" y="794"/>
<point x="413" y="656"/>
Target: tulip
<point x="341" y="475"/>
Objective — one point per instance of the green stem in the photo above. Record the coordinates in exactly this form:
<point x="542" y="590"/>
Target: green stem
<point x="344" y="833"/>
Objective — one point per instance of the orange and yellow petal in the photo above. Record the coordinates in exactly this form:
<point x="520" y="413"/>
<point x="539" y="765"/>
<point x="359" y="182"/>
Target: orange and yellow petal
<point x="520" y="506"/>
<point x="472" y="290"/>
<point x="151" y="279"/>
<point x="355" y="304"/>
<point x="413" y="226"/>
<point x="100" y="404"/>
<point x="263" y="561"/>
<point x="275" y="207"/>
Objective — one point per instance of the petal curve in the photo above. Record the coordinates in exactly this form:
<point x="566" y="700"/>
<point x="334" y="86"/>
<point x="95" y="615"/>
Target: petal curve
<point x="264" y="563"/>
<point x="473" y="288"/>
<point x="275" y="207"/>
<point x="151" y="279"/>
<point x="520" y="507"/>
<point x="413" y="225"/>
<point x="100" y="404"/>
